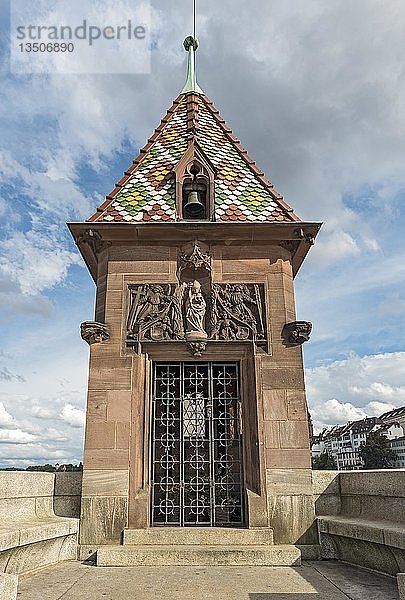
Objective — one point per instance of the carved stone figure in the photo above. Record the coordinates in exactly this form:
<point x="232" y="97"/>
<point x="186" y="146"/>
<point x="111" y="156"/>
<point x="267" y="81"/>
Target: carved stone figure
<point x="154" y="313"/>
<point x="196" y="348"/>
<point x="93" y="332"/>
<point x="225" y="328"/>
<point x="297" y="332"/>
<point x="94" y="240"/>
<point x="194" y="263"/>
<point x="195" y="307"/>
<point x="237" y="312"/>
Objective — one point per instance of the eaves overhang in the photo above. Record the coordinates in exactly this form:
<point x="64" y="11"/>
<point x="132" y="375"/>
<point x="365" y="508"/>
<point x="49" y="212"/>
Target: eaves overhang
<point x="296" y="237"/>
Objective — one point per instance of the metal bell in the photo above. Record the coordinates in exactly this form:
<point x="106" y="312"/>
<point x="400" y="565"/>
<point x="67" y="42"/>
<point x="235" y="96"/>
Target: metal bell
<point x="194" y="209"/>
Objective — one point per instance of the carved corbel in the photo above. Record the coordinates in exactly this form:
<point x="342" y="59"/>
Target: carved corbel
<point x="308" y="237"/>
<point x="290" y="245"/>
<point x="93" y="332"/>
<point x="196" y="348"/>
<point x="297" y="332"/>
<point x="94" y="240"/>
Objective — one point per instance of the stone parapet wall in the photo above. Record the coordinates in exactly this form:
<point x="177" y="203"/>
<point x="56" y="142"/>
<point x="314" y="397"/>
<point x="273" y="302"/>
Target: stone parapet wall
<point x="372" y="495"/>
<point x="29" y="494"/>
<point x="326" y="491"/>
<point x="38" y="519"/>
<point x="67" y="494"/>
<point x="361" y="517"/>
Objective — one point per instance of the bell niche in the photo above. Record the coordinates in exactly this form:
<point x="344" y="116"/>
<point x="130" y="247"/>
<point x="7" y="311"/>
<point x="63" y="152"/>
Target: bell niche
<point x="195" y="187"/>
<point x="195" y="194"/>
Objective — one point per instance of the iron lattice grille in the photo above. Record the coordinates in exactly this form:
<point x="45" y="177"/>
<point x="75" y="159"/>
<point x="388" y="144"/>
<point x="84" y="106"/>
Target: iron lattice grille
<point x="196" y="445"/>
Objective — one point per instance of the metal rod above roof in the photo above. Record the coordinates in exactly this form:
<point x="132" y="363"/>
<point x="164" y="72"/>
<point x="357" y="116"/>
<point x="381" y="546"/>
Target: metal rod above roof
<point x="191" y="85"/>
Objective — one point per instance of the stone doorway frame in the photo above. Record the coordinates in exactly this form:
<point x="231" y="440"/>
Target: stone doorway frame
<point x="253" y="459"/>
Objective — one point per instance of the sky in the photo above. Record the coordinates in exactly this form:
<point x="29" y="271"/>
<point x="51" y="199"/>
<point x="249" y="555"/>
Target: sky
<point x="315" y="91"/>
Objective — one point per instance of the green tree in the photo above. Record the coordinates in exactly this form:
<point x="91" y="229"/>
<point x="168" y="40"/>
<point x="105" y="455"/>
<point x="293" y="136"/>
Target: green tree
<point x="376" y="453"/>
<point x="323" y="462"/>
<point x="46" y="468"/>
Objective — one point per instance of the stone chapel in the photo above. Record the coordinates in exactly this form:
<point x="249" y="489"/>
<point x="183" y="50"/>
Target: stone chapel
<point x="197" y="437"/>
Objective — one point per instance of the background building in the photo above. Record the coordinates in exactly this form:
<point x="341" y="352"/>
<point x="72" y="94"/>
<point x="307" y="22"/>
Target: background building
<point x="343" y="442"/>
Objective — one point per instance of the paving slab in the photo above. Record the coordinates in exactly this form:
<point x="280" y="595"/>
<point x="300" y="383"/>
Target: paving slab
<point x="312" y="581"/>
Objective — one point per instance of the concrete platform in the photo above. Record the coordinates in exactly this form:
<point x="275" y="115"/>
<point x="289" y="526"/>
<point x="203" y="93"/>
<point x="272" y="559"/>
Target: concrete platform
<point x="201" y="555"/>
<point x="312" y="581"/>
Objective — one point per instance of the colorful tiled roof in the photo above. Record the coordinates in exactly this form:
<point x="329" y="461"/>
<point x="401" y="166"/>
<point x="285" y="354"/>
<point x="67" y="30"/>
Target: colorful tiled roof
<point x="147" y="190"/>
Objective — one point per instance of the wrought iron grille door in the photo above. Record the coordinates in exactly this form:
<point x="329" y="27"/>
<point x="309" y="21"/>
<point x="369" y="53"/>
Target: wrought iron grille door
<point x="196" y="445"/>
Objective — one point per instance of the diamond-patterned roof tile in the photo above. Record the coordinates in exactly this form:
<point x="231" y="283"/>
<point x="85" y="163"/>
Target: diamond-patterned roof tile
<point x="147" y="190"/>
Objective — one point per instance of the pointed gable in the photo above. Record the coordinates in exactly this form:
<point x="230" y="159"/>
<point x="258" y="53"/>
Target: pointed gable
<point x="147" y="192"/>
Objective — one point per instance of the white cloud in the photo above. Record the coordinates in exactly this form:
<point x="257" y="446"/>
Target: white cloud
<point x="6" y="420"/>
<point x="73" y="416"/>
<point x="49" y="403"/>
<point x="42" y="412"/>
<point x="51" y="189"/>
<point x="15" y="436"/>
<point x="372" y="244"/>
<point x="33" y="453"/>
<point x="35" y="261"/>
<point x="333" y="412"/>
<point x="336" y="246"/>
<point x="6" y="375"/>
<point x="356" y="387"/>
<point x="380" y="390"/>
<point x="378" y="408"/>
<point x="10" y="432"/>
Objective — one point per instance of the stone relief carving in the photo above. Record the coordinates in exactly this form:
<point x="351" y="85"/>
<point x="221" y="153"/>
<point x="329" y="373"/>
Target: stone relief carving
<point x="196" y="348"/>
<point x="297" y="332"/>
<point x="237" y="312"/>
<point x="93" y="332"/>
<point x="155" y="313"/>
<point x="193" y="262"/>
<point x="171" y="312"/>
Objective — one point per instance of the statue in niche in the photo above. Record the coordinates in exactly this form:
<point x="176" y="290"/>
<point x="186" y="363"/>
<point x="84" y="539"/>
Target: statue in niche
<point x="237" y="312"/>
<point x="195" y="308"/>
<point x="155" y="313"/>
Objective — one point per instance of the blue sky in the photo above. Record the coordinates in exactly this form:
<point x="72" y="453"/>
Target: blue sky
<point x="315" y="91"/>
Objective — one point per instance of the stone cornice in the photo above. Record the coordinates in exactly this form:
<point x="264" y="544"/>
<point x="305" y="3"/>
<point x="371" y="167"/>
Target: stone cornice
<point x="228" y="234"/>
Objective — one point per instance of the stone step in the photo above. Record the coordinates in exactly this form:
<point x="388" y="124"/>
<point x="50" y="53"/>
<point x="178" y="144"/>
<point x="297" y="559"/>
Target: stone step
<point x="199" y="536"/>
<point x="203" y="555"/>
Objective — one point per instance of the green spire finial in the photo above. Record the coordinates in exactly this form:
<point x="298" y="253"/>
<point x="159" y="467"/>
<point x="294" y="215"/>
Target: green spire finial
<point x="191" y="85"/>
